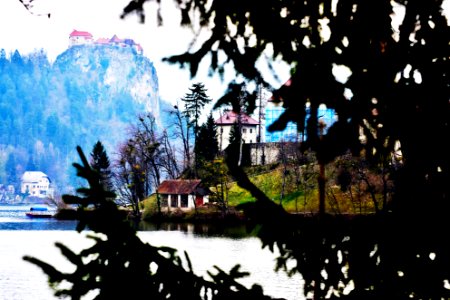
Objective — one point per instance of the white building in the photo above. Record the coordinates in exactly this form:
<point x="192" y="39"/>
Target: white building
<point x="183" y="193"/>
<point x="80" y="38"/>
<point x="225" y="123"/>
<point x="36" y="184"/>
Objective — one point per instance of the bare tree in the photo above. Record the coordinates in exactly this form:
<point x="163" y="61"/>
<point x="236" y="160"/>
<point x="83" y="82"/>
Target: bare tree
<point x="128" y="181"/>
<point x="138" y="165"/>
<point x="169" y="160"/>
<point x="182" y="131"/>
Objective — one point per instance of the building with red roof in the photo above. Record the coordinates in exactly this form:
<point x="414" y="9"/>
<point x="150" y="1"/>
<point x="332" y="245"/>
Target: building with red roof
<point x="224" y="124"/>
<point x="80" y="38"/>
<point x="182" y="193"/>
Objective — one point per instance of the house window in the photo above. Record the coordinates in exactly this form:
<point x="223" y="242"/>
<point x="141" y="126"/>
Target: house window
<point x="244" y="130"/>
<point x="251" y="131"/>
<point x="173" y="200"/>
<point x="184" y="200"/>
<point x="164" y="200"/>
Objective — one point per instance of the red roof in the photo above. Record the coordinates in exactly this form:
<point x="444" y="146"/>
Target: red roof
<point x="102" y="41"/>
<point x="81" y="33"/>
<point x="231" y="117"/>
<point x="182" y="187"/>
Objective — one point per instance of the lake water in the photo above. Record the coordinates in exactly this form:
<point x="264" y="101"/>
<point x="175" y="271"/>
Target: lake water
<point x="19" y="236"/>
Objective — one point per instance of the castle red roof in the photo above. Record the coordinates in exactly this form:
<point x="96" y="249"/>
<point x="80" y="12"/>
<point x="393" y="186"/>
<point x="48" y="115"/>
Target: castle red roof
<point x="102" y="41"/>
<point x="230" y="117"/>
<point x="81" y="33"/>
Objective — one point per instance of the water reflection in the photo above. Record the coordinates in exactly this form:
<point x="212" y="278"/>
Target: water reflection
<point x="12" y="217"/>
<point x="200" y="229"/>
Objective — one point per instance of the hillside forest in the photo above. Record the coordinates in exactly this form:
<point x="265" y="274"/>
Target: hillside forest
<point x="48" y="108"/>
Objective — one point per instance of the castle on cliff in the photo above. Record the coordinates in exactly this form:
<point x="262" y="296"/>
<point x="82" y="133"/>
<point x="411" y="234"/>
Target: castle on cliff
<point x="77" y="38"/>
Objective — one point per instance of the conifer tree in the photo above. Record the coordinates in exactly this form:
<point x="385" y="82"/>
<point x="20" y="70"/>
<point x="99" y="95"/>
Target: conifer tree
<point x="10" y="168"/>
<point x="194" y="102"/>
<point x="100" y="163"/>
<point x="206" y="146"/>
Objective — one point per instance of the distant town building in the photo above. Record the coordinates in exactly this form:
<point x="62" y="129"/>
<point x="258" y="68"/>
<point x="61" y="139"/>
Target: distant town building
<point x="224" y="124"/>
<point x="77" y="38"/>
<point x="10" y="189"/>
<point x="36" y="184"/>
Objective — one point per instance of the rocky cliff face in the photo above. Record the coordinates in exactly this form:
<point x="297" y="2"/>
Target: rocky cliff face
<point x="110" y="85"/>
<point x="89" y="93"/>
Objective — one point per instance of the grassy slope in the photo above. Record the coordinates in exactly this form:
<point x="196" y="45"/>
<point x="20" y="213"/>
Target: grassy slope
<point x="271" y="184"/>
<point x="295" y="198"/>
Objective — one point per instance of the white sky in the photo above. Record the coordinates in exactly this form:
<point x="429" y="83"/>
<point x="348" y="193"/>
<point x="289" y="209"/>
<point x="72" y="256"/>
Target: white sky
<point x="26" y="32"/>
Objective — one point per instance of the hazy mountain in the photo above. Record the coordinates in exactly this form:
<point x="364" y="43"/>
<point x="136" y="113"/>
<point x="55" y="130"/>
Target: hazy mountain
<point x="89" y="93"/>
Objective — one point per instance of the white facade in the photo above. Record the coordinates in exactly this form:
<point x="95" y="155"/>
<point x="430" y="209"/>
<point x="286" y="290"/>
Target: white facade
<point x="180" y="201"/>
<point x="249" y="135"/>
<point x="80" y="38"/>
<point x="249" y="128"/>
<point x="36" y="184"/>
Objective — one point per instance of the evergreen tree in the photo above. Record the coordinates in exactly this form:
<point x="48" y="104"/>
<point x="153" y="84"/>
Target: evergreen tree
<point x="10" y="169"/>
<point x="206" y="144"/>
<point x="100" y="163"/>
<point x="31" y="165"/>
<point x="17" y="59"/>
<point x="194" y="102"/>
<point x="3" y="60"/>
<point x="193" y="105"/>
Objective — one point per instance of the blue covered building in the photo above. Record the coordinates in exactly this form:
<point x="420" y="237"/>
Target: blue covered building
<point x="290" y="134"/>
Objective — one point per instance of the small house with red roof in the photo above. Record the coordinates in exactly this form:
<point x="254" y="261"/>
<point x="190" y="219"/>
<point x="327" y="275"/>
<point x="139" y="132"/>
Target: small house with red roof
<point x="224" y="124"/>
<point x="80" y="38"/>
<point x="182" y="193"/>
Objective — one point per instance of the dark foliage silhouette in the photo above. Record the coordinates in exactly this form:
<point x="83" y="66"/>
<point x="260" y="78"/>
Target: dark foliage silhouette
<point x="398" y="84"/>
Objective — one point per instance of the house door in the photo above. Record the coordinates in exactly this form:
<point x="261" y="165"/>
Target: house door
<point x="198" y="200"/>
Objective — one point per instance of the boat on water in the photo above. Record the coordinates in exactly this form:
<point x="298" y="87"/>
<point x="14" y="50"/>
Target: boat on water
<point x="40" y="212"/>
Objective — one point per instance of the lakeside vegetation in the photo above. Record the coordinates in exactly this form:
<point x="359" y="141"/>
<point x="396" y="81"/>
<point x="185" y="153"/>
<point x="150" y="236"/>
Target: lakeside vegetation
<point x="358" y="197"/>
